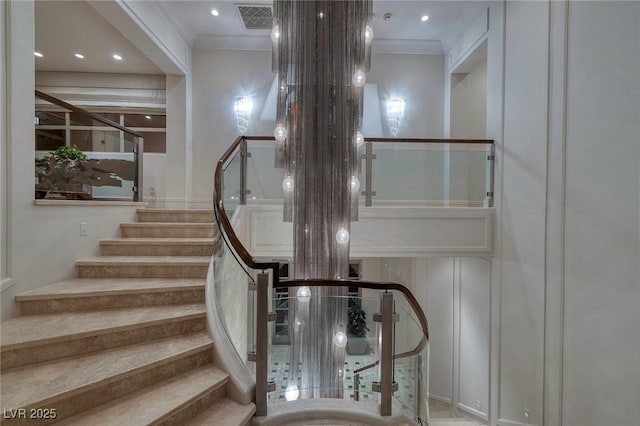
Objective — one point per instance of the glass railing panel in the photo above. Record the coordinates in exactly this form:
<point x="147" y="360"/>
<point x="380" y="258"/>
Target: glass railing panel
<point x="432" y="174"/>
<point x="468" y="176"/>
<point x="107" y="171"/>
<point x="409" y="171"/>
<point x="410" y="371"/>
<point x="235" y="302"/>
<point x="231" y="183"/>
<point x="287" y="369"/>
<point x="264" y="180"/>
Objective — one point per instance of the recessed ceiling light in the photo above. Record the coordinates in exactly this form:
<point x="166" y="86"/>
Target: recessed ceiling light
<point x="424" y="18"/>
<point x="79" y="55"/>
<point x="38" y="54"/>
<point x="215" y="12"/>
<point x="117" y="57"/>
<point x="148" y="117"/>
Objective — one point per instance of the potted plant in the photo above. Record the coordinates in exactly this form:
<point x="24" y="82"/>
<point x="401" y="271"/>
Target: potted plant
<point x="357" y="328"/>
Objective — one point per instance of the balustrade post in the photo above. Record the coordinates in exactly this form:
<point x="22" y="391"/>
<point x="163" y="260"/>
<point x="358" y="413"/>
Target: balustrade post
<point x="368" y="156"/>
<point x="262" y="343"/>
<point x="491" y="158"/>
<point x="386" y="353"/>
<point x="243" y="171"/>
<point x="138" y="150"/>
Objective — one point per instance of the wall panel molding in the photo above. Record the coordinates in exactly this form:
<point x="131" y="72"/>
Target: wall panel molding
<point x="395" y="232"/>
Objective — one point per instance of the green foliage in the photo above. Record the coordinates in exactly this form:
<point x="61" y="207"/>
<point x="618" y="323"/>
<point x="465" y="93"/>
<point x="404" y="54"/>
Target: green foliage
<point x="357" y="326"/>
<point x="65" y="152"/>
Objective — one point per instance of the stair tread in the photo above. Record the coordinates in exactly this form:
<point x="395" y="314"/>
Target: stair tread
<point x="152" y="403"/>
<point x="224" y="413"/>
<point x="174" y="211"/>
<point x="33" y="330"/>
<point x="167" y="224"/>
<point x="50" y="381"/>
<point x="159" y="241"/>
<point x="84" y="287"/>
<point x="143" y="260"/>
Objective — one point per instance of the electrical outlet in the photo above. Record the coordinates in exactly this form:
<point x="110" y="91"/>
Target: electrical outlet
<point x="83" y="229"/>
<point x="478" y="405"/>
<point x="527" y="414"/>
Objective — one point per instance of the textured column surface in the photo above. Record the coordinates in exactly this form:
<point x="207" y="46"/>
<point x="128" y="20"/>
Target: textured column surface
<point x="321" y="53"/>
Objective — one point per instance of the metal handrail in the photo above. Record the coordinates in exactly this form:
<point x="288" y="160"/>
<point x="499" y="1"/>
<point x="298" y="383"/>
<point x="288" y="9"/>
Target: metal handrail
<point x="138" y="146"/>
<point x="93" y="116"/>
<point x="397" y="140"/>
<point x="223" y="220"/>
<point x="373" y="285"/>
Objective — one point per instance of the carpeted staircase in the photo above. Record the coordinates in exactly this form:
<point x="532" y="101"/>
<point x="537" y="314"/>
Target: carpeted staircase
<point x="126" y="342"/>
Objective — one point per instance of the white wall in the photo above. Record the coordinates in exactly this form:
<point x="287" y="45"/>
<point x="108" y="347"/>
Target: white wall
<point x="469" y="103"/>
<point x="221" y="75"/>
<point x="419" y="80"/>
<point x="4" y="150"/>
<point x="455" y="292"/>
<point x="566" y="346"/>
<point x="602" y="237"/>
<point x="523" y="212"/>
<point x="436" y="295"/>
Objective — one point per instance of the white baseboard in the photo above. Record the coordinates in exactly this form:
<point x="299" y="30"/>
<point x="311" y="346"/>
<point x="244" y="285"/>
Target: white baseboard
<point x="473" y="412"/>
<point x="439" y="398"/>
<point x="505" y="422"/>
<point x="6" y="284"/>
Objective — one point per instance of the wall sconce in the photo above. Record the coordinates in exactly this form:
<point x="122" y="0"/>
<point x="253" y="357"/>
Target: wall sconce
<point x="243" y="106"/>
<point x="395" y="113"/>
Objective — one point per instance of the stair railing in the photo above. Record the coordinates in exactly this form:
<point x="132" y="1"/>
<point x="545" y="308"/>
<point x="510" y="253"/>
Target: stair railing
<point x="268" y="276"/>
<point x="137" y="139"/>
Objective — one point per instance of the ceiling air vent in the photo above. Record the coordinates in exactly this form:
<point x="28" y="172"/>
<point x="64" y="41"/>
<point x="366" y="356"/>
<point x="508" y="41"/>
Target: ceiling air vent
<point x="256" y="17"/>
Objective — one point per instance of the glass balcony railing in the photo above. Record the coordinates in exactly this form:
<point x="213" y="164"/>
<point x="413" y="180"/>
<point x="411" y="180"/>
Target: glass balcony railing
<point x="428" y="172"/>
<point x="84" y="156"/>
<point x="260" y="312"/>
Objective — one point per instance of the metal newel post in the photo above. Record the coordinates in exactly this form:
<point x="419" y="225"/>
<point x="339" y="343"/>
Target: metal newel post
<point x="262" y="342"/>
<point x="137" y="184"/>
<point x="243" y="171"/>
<point x="386" y="353"/>
<point x="492" y="164"/>
<point x="368" y="192"/>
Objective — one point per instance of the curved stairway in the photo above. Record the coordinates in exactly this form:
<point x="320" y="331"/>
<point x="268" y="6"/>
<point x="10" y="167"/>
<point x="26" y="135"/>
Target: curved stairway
<point x="126" y="341"/>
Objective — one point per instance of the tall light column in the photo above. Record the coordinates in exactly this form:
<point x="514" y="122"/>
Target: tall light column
<point x="321" y="53"/>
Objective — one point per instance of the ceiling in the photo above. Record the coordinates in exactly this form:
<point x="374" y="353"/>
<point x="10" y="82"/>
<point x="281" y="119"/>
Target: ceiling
<point x="66" y="27"/>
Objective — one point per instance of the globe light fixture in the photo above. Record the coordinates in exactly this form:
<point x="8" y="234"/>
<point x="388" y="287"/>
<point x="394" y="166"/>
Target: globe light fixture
<point x="280" y="133"/>
<point x="303" y="294"/>
<point x="340" y="339"/>
<point x="342" y="236"/>
<point x="359" y="139"/>
<point x="354" y="183"/>
<point x="275" y="33"/>
<point x="368" y="34"/>
<point x="292" y="393"/>
<point x="287" y="184"/>
<point x="359" y="78"/>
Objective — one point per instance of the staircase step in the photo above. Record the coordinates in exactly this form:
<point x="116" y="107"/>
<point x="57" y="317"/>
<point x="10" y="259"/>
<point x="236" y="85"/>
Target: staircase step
<point x="76" y="384"/>
<point x="159" y="246"/>
<point x="38" y="338"/>
<point x="143" y="267"/>
<point x="166" y="215"/>
<point x="85" y="294"/>
<point x="169" y="402"/>
<point x="225" y="413"/>
<point x="167" y="230"/>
